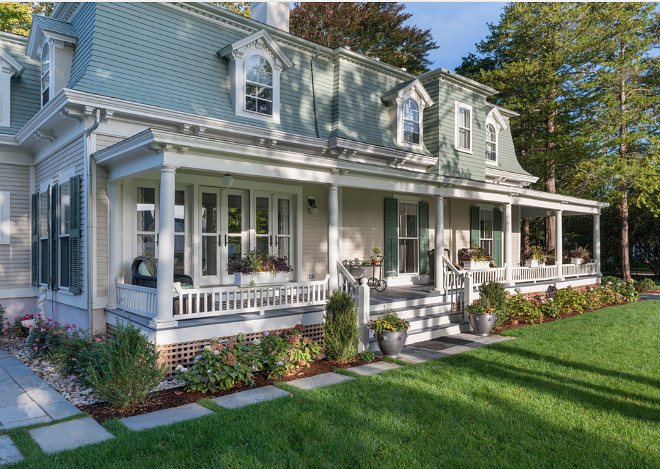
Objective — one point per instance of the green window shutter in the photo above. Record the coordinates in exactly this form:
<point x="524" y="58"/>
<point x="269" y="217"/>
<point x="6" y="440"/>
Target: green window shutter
<point x="497" y="238"/>
<point x="74" y="237"/>
<point x="474" y="226"/>
<point x="391" y="238"/>
<point x="424" y="238"/>
<point x="53" y="236"/>
<point x="35" y="239"/>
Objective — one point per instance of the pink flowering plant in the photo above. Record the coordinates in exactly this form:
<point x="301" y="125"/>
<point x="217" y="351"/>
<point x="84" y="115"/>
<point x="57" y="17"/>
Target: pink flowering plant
<point x="45" y="336"/>
<point x="15" y="329"/>
<point x="286" y="352"/>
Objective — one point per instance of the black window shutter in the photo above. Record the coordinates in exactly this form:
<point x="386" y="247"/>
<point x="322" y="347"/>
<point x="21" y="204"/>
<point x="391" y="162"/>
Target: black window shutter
<point x="423" y="238"/>
<point x="53" y="236"/>
<point x="74" y="238"/>
<point x="35" y="239"/>
<point x="391" y="237"/>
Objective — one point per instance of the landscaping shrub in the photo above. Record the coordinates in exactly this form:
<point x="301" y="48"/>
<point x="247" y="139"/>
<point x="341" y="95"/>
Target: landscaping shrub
<point x="76" y="354"/>
<point x="127" y="368"/>
<point x="340" y="330"/>
<point x="568" y="300"/>
<point x="523" y="310"/>
<point x="642" y="286"/>
<point x="2" y="319"/>
<point x="46" y="336"/>
<point x="367" y="356"/>
<point x="281" y="354"/>
<point x="609" y="280"/>
<point x="16" y="329"/>
<point x="625" y="290"/>
<point x="495" y="294"/>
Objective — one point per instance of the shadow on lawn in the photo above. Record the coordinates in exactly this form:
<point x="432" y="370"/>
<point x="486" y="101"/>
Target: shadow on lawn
<point x="581" y="366"/>
<point x="581" y="392"/>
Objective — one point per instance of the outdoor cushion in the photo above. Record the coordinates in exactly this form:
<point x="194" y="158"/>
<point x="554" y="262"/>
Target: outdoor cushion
<point x="142" y="270"/>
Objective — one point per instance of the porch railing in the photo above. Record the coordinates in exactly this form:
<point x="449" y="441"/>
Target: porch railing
<point x="454" y="284"/>
<point x="361" y="296"/>
<point x="577" y="270"/>
<point x="136" y="300"/>
<point x="534" y="274"/>
<point x="479" y="277"/>
<point x="347" y="283"/>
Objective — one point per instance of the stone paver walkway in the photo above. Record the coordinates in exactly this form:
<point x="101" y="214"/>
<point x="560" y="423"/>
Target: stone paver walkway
<point x="69" y="435"/>
<point x="441" y="347"/>
<point x="165" y="416"/>
<point x="319" y="381"/>
<point x="251" y="396"/>
<point x="651" y="296"/>
<point x="26" y="399"/>
<point x="9" y="453"/>
<point x="373" y="368"/>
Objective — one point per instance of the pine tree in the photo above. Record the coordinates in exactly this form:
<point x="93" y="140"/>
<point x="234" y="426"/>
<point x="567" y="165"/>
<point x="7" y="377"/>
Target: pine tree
<point x="372" y="29"/>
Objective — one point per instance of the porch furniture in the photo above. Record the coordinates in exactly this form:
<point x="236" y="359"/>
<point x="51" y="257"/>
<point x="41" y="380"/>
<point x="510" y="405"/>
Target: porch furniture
<point x="376" y="283"/>
<point x="145" y="272"/>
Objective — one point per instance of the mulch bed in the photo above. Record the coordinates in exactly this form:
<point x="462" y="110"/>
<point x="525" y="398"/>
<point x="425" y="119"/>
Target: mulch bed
<point x="179" y="396"/>
<point x="516" y="324"/>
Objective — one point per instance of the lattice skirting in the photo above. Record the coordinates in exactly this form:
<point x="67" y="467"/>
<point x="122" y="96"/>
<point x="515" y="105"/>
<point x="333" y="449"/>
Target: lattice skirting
<point x="184" y="353"/>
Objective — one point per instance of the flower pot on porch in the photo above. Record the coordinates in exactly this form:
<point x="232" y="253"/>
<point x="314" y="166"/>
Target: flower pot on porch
<point x="533" y="263"/>
<point x="476" y="265"/>
<point x="261" y="278"/>
<point x="482" y="323"/>
<point x="576" y="260"/>
<point x="391" y="342"/>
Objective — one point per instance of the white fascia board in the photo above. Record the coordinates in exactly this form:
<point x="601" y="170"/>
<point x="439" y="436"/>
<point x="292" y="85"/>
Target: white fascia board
<point x="459" y="80"/>
<point x="494" y="172"/>
<point x="268" y="41"/>
<point x="50" y="110"/>
<point x="13" y="63"/>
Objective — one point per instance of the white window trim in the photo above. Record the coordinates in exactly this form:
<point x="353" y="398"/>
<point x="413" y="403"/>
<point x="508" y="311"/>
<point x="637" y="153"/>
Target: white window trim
<point x="408" y="200"/>
<point x="494" y="162"/>
<point x="49" y="44"/>
<point x="255" y="114"/>
<point x="492" y="229"/>
<point x="400" y="101"/>
<point x="457" y="106"/>
<point x="61" y="235"/>
<point x="9" y="68"/>
<point x="5" y="217"/>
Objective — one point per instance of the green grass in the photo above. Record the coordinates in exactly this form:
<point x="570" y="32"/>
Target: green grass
<point x="580" y="392"/>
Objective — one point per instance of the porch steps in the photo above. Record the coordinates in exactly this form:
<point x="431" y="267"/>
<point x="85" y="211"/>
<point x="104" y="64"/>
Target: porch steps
<point x="429" y="318"/>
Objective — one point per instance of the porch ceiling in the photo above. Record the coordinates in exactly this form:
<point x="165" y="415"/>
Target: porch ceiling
<point x="539" y="212"/>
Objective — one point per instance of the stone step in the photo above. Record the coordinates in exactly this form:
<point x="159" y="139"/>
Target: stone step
<point x="409" y="312"/>
<point x="409" y="303"/>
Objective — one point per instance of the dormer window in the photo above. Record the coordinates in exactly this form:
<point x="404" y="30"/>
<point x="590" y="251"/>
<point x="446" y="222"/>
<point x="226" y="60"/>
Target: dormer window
<point x="463" y="127"/>
<point x="45" y="74"/>
<point x="491" y="143"/>
<point x="411" y="121"/>
<point x="9" y="68"/>
<point x="406" y="103"/>
<point x="259" y="85"/>
<point x="255" y="66"/>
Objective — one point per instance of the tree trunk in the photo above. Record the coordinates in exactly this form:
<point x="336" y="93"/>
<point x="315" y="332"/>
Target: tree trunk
<point x="623" y="228"/>
<point x="525" y="234"/>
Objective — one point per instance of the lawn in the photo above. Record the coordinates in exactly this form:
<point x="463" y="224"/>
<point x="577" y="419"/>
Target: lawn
<point x="580" y="392"/>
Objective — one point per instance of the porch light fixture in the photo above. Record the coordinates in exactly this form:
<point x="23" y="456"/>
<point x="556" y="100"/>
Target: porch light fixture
<point x="311" y="205"/>
<point x="227" y="180"/>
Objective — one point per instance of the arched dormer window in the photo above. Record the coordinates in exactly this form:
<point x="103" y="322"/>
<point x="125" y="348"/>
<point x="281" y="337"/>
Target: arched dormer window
<point x="45" y="74"/>
<point x="258" y="85"/>
<point x="411" y="121"/>
<point x="491" y="143"/>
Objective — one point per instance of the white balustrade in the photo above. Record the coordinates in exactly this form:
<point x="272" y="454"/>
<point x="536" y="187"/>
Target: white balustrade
<point x="534" y="274"/>
<point x="479" y="277"/>
<point x="454" y="284"/>
<point x="578" y="270"/>
<point x="136" y="300"/>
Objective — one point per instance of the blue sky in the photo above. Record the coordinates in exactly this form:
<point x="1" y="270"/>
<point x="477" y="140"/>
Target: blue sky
<point x="455" y="26"/>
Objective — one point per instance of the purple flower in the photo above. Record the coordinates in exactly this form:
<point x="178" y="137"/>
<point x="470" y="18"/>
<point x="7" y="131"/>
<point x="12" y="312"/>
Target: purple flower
<point x="280" y="363"/>
<point x="266" y="334"/>
<point x="208" y="371"/>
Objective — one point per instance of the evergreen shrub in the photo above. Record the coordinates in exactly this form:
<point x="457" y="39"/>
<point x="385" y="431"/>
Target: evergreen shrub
<point x="341" y="333"/>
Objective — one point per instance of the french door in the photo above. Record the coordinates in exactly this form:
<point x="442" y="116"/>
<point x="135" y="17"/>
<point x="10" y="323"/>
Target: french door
<point x="223" y="233"/>
<point x="272" y="219"/>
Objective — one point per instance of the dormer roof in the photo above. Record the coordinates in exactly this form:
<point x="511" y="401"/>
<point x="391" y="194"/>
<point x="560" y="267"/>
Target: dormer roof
<point x="262" y="38"/>
<point x="6" y="58"/>
<point x="46" y="27"/>
<point x="412" y="85"/>
<point x="497" y="117"/>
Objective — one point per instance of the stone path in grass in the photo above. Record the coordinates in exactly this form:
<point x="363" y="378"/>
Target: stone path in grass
<point x="165" y="416"/>
<point x="441" y="347"/>
<point x="9" y="454"/>
<point x="319" y="381"/>
<point x="251" y="396"/>
<point x="69" y="435"/>
<point x="25" y="398"/>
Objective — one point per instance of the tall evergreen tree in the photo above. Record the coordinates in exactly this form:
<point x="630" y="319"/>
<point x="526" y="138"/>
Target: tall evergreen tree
<point x="620" y="113"/>
<point x="374" y="29"/>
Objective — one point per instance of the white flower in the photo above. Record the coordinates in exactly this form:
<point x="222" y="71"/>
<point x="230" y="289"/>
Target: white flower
<point x="207" y="348"/>
<point x="256" y="341"/>
<point x="215" y="352"/>
<point x="178" y="368"/>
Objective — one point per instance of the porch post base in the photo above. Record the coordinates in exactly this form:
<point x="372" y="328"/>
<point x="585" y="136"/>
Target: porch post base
<point x="157" y="323"/>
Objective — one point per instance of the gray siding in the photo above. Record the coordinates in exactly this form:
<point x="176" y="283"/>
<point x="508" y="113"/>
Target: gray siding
<point x="102" y="241"/>
<point x="25" y="90"/>
<point x="506" y="154"/>
<point x="83" y="23"/>
<point x="15" y="257"/>
<point x="105" y="141"/>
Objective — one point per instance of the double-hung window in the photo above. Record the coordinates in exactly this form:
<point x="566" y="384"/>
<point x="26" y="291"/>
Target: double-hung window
<point x="258" y="85"/>
<point x="408" y="237"/>
<point x="146" y="221"/>
<point x="45" y="74"/>
<point x="491" y="143"/>
<point x="63" y="234"/>
<point x="486" y="230"/>
<point x="463" y="127"/>
<point x="411" y="122"/>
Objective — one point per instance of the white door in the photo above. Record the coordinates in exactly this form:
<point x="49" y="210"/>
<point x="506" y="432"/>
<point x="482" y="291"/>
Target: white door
<point x="272" y="219"/>
<point x="234" y="230"/>
<point x="211" y="236"/>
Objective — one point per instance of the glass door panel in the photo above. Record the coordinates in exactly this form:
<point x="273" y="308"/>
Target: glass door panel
<point x="210" y="233"/>
<point x="263" y="224"/>
<point x="179" y="232"/>
<point x="235" y="229"/>
<point x="283" y="228"/>
<point x="146" y="221"/>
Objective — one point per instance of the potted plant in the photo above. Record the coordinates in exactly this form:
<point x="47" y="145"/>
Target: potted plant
<point x="535" y="257"/>
<point x="390" y="332"/>
<point x="579" y="256"/>
<point x="474" y="259"/>
<point x="259" y="268"/>
<point x="377" y="257"/>
<point x="482" y="317"/>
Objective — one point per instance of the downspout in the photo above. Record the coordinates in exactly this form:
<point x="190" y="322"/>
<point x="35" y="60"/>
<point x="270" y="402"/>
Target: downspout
<point x="316" y="117"/>
<point x="89" y="218"/>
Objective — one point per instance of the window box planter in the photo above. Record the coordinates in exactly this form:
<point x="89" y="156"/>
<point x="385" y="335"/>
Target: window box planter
<point x="577" y="260"/>
<point x="261" y="278"/>
<point x="534" y="263"/>
<point x="476" y="265"/>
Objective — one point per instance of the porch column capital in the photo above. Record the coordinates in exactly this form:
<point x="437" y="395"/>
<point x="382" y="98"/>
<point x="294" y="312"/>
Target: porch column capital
<point x="333" y="187"/>
<point x="168" y="168"/>
<point x="115" y="183"/>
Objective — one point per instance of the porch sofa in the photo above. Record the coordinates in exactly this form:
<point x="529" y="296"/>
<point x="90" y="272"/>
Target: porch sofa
<point x="145" y="272"/>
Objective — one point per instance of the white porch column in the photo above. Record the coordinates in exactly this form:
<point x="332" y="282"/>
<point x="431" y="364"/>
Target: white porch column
<point x="115" y="241"/>
<point x="559" y="237"/>
<point x="165" y="276"/>
<point x="333" y="234"/>
<point x="508" y="250"/>
<point x="439" y="244"/>
<point x="597" y="242"/>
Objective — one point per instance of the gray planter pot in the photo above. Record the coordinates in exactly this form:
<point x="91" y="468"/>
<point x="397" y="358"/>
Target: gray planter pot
<point x="482" y="323"/>
<point x="391" y="342"/>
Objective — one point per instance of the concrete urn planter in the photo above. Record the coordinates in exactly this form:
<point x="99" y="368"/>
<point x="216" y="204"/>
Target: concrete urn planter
<point x="476" y="265"/>
<point x="534" y="263"/>
<point x="261" y="278"/>
<point x="576" y="260"/>
<point x="482" y="323"/>
<point x="391" y="342"/>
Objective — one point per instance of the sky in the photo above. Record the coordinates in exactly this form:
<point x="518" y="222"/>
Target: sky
<point x="455" y="26"/>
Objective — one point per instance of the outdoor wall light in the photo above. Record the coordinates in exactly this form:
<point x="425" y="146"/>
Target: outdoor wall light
<point x="227" y="180"/>
<point x="311" y="205"/>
